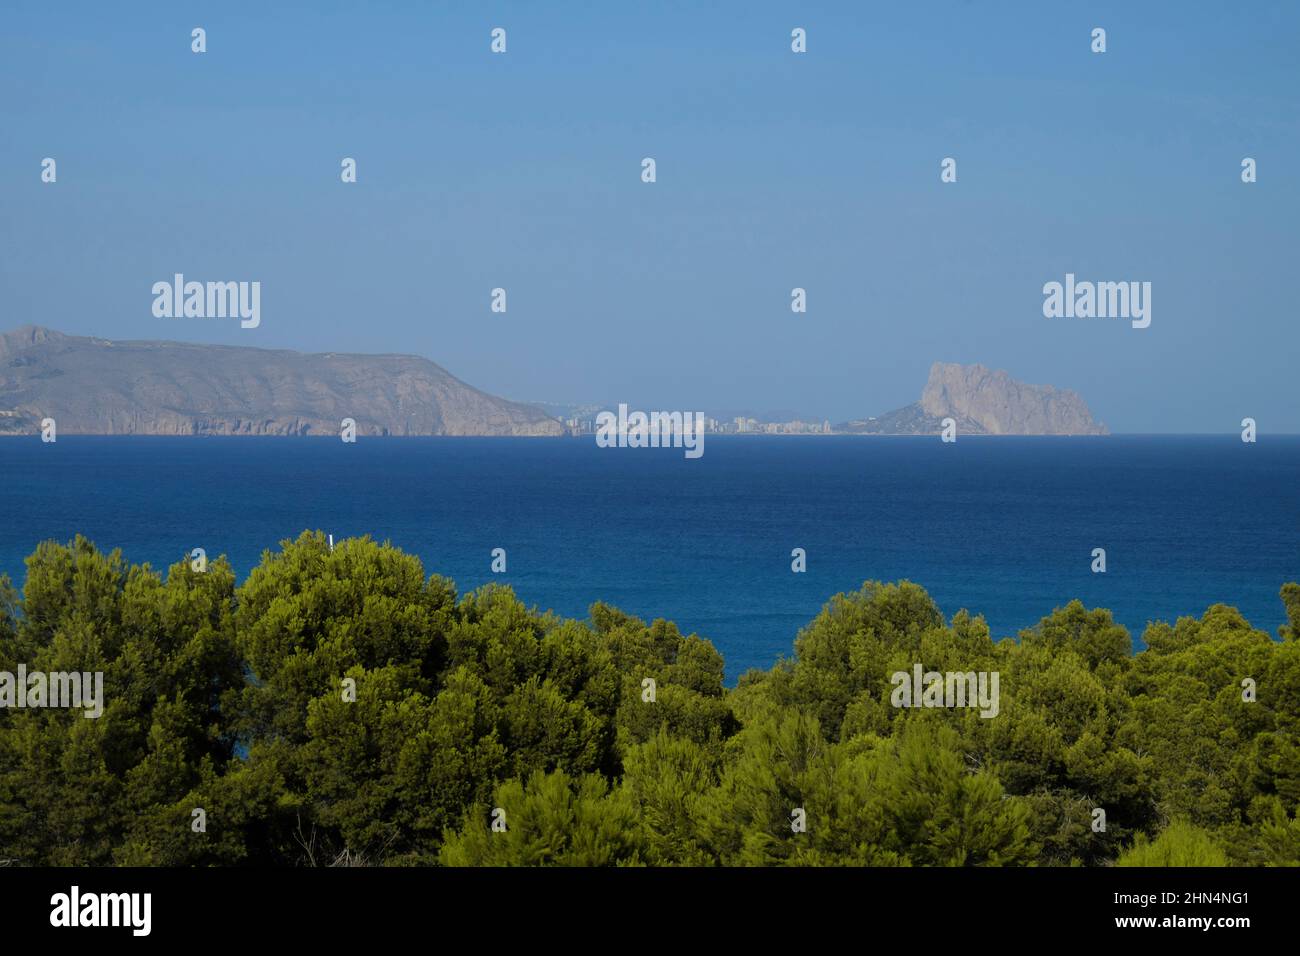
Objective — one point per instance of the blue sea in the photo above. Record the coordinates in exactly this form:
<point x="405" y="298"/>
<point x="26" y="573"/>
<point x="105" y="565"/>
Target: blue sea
<point x="1001" y="526"/>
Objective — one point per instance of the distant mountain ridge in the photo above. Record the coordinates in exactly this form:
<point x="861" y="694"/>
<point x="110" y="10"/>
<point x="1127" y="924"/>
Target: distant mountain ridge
<point x="105" y="387"/>
<point x="984" y="402"/>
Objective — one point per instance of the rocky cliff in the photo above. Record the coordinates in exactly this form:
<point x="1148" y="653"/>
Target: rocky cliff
<point x="1002" y="406"/>
<point x="102" y="387"/>
<point x="985" y="402"/>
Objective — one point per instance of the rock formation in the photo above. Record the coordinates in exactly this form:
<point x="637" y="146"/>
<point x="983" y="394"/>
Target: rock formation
<point x="985" y="402"/>
<point x="102" y="387"/>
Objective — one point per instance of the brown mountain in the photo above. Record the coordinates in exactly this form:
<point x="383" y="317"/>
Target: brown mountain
<point x="101" y="387"/>
<point x="985" y="402"/>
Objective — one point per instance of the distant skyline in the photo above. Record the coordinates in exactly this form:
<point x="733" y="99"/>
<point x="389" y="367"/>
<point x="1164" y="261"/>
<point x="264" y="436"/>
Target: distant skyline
<point x="775" y="170"/>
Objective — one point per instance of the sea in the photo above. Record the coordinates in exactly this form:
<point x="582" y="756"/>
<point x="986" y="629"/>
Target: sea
<point x="1005" y="527"/>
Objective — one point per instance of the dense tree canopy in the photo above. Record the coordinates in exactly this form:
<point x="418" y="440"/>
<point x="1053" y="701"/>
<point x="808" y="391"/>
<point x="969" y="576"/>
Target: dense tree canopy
<point x="340" y="707"/>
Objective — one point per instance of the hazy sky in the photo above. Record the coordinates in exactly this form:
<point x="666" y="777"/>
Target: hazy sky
<point x="775" y="170"/>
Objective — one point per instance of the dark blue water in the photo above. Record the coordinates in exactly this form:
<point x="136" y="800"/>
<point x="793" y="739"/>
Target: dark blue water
<point x="1003" y="527"/>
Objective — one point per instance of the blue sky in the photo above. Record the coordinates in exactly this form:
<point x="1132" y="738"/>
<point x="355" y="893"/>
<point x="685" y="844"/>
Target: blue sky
<point x="775" y="170"/>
